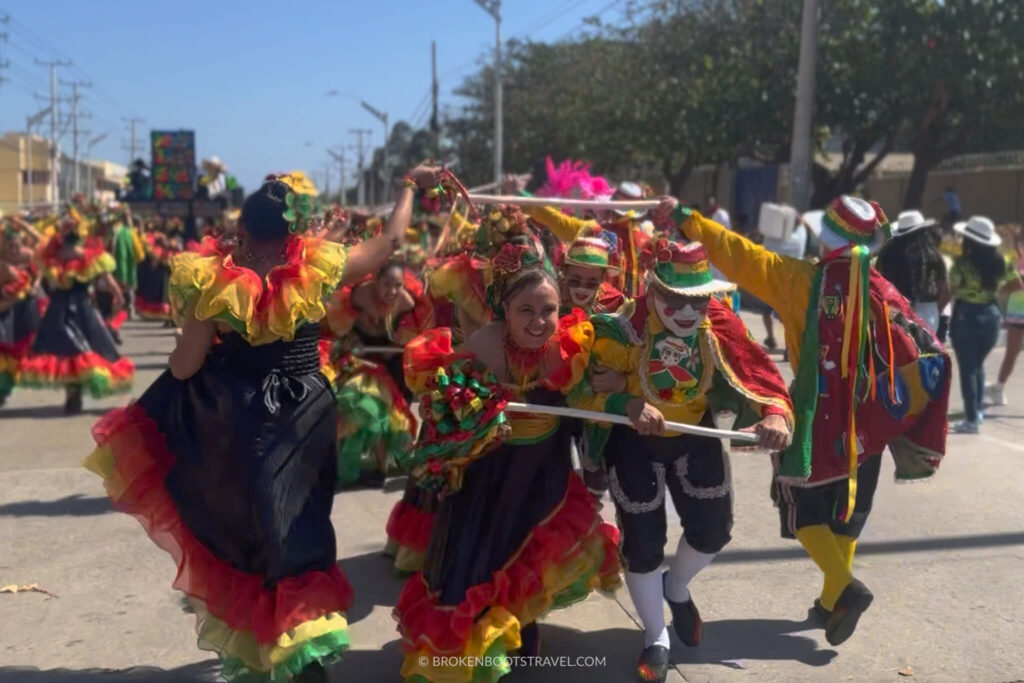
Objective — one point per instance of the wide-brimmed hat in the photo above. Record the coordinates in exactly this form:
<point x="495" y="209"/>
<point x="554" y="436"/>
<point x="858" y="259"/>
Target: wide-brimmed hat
<point x="980" y="229"/>
<point x="590" y="249"/>
<point x="854" y="221"/>
<point x="682" y="269"/>
<point x="628" y="191"/>
<point x="911" y="221"/>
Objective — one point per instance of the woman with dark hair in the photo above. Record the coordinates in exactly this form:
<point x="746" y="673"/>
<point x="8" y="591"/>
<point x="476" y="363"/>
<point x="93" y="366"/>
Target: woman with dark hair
<point x="913" y="263"/>
<point x="229" y="459"/>
<point x="978" y="276"/>
<point x="19" y="301"/>
<point x="73" y="347"/>
<point x="517" y="533"/>
<point x="374" y="422"/>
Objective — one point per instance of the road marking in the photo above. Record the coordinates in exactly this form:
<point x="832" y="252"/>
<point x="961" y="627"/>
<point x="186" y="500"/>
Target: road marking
<point x="1006" y="444"/>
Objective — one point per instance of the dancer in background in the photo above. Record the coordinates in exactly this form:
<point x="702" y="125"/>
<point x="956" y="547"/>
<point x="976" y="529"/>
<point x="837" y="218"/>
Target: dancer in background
<point x="1014" y="321"/>
<point x="913" y="263"/>
<point x="73" y="348"/>
<point x="229" y="458"/>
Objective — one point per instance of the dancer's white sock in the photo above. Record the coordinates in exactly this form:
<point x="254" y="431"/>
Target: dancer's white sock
<point x="645" y="590"/>
<point x="685" y="565"/>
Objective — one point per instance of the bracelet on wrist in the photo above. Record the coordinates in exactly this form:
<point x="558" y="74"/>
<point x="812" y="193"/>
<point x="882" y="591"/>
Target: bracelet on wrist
<point x="410" y="182"/>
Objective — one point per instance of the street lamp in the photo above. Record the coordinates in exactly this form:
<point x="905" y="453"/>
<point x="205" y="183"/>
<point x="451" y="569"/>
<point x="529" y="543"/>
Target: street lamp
<point x="493" y="7"/>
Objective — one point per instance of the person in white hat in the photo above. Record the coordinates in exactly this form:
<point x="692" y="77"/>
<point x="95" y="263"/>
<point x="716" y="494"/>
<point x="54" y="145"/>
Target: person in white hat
<point x="913" y="263"/>
<point x="979" y="275"/>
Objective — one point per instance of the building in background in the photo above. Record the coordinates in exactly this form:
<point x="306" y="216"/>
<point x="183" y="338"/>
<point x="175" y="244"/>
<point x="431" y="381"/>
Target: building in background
<point x="24" y="172"/>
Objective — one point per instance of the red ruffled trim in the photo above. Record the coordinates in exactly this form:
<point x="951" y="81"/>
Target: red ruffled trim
<point x="152" y="308"/>
<point x="19" y="287"/>
<point x="425" y="623"/>
<point x="568" y="348"/>
<point x="115" y="321"/>
<point x="50" y="256"/>
<point x="52" y="369"/>
<point x="410" y="526"/>
<point x="420" y="318"/>
<point x="142" y="462"/>
<point x="341" y="313"/>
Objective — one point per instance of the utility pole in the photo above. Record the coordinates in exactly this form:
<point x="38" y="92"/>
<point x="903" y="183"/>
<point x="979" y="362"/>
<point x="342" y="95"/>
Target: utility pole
<point x="92" y="143"/>
<point x="803" y="118"/>
<point x="338" y="154"/>
<point x="493" y="7"/>
<point x="435" y="124"/>
<point x="133" y="121"/>
<point x="327" y="179"/>
<point x="54" y="194"/>
<point x="4" y="64"/>
<point x="385" y="163"/>
<point x="74" y="126"/>
<point x="361" y="184"/>
<point x="29" y="122"/>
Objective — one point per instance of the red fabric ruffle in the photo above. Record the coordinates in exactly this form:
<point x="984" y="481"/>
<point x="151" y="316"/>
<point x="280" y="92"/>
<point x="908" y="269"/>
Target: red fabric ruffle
<point x="68" y="369"/>
<point x="242" y="601"/>
<point x="152" y="308"/>
<point x="115" y="321"/>
<point x="444" y="629"/>
<point x="410" y="526"/>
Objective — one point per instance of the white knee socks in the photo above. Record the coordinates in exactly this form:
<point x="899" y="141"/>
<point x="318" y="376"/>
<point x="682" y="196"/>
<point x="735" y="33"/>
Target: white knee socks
<point x="686" y="565"/>
<point x="646" y="592"/>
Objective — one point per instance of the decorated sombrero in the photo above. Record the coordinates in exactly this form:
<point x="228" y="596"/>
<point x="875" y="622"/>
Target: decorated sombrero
<point x="851" y="220"/>
<point x="681" y="269"/>
<point x="590" y="249"/>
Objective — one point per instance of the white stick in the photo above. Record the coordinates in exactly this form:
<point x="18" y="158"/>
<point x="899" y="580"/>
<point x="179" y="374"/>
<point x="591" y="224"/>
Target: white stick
<point x="378" y="349"/>
<point x="622" y="420"/>
<point x="640" y="205"/>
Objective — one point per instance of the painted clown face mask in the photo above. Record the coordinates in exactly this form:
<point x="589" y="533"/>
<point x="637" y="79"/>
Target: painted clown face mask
<point x="580" y="285"/>
<point x="681" y="315"/>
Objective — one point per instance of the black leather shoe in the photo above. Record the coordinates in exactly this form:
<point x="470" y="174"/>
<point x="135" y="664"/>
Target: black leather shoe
<point x="652" y="667"/>
<point x="818" y="613"/>
<point x="685" y="618"/>
<point x="852" y="602"/>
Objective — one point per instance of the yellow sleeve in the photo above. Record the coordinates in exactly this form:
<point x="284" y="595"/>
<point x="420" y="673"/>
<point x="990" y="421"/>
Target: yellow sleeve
<point x="563" y="226"/>
<point x="782" y="282"/>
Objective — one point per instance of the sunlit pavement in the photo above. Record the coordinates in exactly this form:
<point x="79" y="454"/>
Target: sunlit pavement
<point x="945" y="559"/>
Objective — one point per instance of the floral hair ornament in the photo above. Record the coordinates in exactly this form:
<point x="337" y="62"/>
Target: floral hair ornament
<point x="443" y="195"/>
<point x="498" y="224"/>
<point x="512" y="263"/>
<point x="298" y="211"/>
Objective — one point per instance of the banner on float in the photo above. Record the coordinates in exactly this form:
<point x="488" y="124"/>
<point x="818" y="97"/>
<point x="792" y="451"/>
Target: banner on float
<point x="174" y="164"/>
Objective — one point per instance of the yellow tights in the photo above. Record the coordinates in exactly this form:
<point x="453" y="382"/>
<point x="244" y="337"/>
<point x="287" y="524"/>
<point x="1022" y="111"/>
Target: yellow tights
<point x="834" y="556"/>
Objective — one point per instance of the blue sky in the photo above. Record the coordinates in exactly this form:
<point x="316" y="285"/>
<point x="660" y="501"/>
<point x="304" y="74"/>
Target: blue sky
<point x="250" y="77"/>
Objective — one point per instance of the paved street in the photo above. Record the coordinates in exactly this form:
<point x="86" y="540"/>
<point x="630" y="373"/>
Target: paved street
<point x="944" y="558"/>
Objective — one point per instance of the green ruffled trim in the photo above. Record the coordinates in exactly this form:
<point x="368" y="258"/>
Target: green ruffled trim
<point x="325" y="649"/>
<point x="98" y="385"/>
<point x="373" y="417"/>
<point x="497" y="652"/>
<point x="183" y="297"/>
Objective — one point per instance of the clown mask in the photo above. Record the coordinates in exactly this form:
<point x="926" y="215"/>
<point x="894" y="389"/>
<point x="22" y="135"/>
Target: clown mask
<point x="580" y="285"/>
<point x="681" y="315"/>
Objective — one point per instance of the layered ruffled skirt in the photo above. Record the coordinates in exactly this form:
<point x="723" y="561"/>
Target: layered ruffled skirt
<point x="73" y="347"/>
<point x="233" y="475"/>
<point x="18" y="327"/>
<point x="523" y="536"/>
<point x="151" y="295"/>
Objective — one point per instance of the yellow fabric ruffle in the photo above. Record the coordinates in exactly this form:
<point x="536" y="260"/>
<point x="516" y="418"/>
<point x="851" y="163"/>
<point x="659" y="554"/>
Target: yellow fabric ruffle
<point x="235" y="295"/>
<point x="497" y="624"/>
<point x="64" y="278"/>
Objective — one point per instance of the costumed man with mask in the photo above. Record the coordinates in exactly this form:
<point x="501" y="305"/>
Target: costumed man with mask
<point x="677" y="353"/>
<point x="869" y="374"/>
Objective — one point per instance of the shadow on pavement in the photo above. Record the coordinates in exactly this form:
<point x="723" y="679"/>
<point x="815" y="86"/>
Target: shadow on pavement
<point x="730" y="641"/>
<point x="76" y="505"/>
<point x="200" y="671"/>
<point x="151" y="366"/>
<point x="383" y="664"/>
<point x="918" y="545"/>
<point x="375" y="581"/>
<point x="46" y="412"/>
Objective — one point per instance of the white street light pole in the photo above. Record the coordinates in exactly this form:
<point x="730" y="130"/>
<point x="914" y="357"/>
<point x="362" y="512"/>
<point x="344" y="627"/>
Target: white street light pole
<point x="493" y="7"/>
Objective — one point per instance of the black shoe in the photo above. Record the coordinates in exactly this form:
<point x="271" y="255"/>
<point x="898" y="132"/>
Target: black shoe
<point x="685" y="618"/>
<point x="529" y="637"/>
<point x="818" y="613"/>
<point x="314" y="673"/>
<point x="852" y="602"/>
<point x="73" y="403"/>
<point x="372" y="478"/>
<point x="652" y="667"/>
<point x="770" y="344"/>
<point x="115" y="335"/>
<point x="596" y="481"/>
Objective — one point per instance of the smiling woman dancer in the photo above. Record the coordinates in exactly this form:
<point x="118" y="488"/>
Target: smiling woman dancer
<point x="228" y="459"/>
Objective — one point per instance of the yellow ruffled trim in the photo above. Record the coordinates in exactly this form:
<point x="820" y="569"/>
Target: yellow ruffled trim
<point x="104" y="263"/>
<point x="449" y="283"/>
<point x="215" y="635"/>
<point x="583" y="334"/>
<point x="497" y="623"/>
<point x="196" y="280"/>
